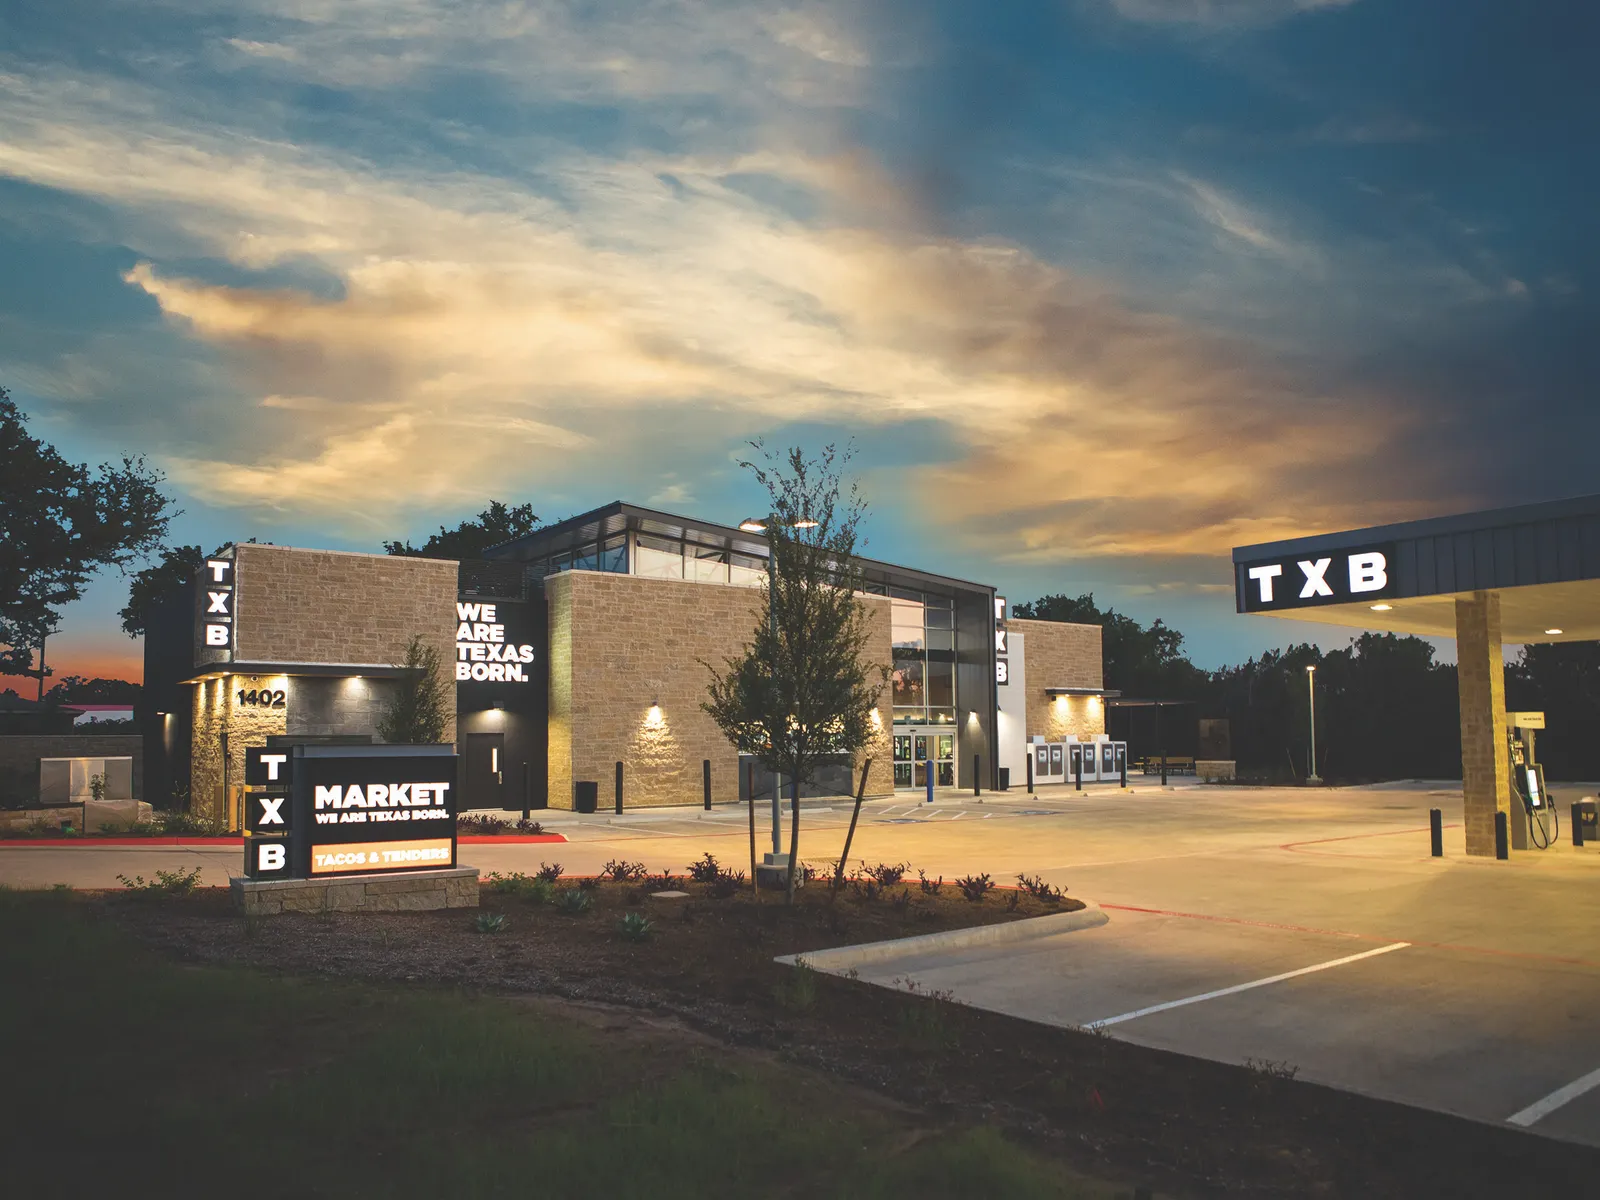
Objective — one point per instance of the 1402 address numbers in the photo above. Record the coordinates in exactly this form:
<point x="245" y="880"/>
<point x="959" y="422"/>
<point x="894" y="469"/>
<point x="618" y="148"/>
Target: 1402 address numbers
<point x="264" y="698"/>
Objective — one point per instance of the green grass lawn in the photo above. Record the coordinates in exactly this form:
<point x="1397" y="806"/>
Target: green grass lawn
<point x="130" y="1075"/>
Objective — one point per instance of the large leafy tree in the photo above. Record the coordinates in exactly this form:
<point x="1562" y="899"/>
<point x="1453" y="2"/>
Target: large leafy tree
<point x="1144" y="660"/>
<point x="419" y="710"/>
<point x="495" y="524"/>
<point x="148" y="587"/>
<point x="60" y="522"/>
<point x="802" y="690"/>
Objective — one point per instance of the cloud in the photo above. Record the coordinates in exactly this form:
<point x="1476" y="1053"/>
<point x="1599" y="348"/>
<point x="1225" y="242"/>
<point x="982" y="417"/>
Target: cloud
<point x="1218" y="13"/>
<point x="543" y="312"/>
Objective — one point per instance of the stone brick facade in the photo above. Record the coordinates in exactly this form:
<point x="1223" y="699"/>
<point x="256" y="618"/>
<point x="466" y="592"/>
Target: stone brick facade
<point x="620" y="643"/>
<point x="330" y="606"/>
<point x="1485" y="756"/>
<point x="1061" y="655"/>
<point x="419" y="891"/>
<point x="315" y="607"/>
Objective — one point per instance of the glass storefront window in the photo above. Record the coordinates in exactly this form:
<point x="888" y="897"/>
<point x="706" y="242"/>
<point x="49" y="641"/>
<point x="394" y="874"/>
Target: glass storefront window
<point x="586" y="558"/>
<point x="941" y="684"/>
<point x="908" y="681"/>
<point x="747" y="570"/>
<point x="705" y="565"/>
<point x="659" y="558"/>
<point x="614" y="555"/>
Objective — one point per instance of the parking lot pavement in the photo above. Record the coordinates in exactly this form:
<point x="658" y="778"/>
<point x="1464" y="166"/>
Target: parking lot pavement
<point x="1332" y="940"/>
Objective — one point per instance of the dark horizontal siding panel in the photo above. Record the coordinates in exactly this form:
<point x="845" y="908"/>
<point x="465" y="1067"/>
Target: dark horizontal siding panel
<point x="1527" y="554"/>
<point x="1569" y="553"/>
<point x="1461" y="553"/>
<point x="1404" y="569"/>
<point x="1549" y="560"/>
<point x="1444" y="564"/>
<point x="1505" y="558"/>
<point x="1589" y="546"/>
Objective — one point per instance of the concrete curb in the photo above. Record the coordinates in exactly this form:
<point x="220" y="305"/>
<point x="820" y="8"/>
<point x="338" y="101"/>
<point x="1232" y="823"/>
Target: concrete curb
<point x="843" y="957"/>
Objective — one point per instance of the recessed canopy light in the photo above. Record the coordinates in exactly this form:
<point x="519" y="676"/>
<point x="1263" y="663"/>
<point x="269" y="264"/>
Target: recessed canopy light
<point x="1382" y="607"/>
<point x="1553" y="631"/>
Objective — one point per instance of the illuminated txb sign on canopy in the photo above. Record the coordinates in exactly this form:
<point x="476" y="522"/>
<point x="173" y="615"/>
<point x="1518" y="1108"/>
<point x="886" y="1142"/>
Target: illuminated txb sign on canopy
<point x="1310" y="580"/>
<point x="216" y="604"/>
<point x="482" y="651"/>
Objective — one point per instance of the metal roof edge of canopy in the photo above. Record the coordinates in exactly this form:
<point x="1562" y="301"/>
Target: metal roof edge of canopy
<point x="1460" y="523"/>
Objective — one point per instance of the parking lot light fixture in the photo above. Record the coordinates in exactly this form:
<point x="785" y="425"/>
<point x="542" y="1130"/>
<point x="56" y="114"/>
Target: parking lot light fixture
<point x="1311" y="691"/>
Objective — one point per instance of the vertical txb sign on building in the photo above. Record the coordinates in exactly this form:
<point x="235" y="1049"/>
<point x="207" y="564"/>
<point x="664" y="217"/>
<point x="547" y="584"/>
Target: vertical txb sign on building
<point x="216" y="601"/>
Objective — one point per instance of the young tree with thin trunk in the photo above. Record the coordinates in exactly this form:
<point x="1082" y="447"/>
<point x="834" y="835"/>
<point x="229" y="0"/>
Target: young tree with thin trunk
<point x="802" y="692"/>
<point x="417" y="715"/>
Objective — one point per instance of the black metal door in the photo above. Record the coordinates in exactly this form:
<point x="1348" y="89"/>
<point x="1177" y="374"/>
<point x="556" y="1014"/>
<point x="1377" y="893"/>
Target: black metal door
<point x="485" y="771"/>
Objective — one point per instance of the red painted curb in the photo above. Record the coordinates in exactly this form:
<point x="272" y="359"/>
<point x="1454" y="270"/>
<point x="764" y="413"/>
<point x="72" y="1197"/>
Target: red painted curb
<point x="55" y="843"/>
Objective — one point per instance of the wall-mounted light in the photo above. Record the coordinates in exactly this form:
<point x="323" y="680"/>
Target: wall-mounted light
<point x="877" y="719"/>
<point x="1555" y="631"/>
<point x="499" y="705"/>
<point x="972" y="716"/>
<point x="1382" y="608"/>
<point x="652" y="717"/>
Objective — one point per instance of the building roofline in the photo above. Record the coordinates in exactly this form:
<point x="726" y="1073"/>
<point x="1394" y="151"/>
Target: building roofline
<point x="1447" y="526"/>
<point x="634" y="511"/>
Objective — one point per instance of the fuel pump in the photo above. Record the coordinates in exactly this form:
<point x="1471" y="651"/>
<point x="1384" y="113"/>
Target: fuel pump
<point x="1527" y="781"/>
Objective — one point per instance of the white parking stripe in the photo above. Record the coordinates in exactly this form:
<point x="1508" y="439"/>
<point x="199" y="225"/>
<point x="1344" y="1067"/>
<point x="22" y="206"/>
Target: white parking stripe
<point x="1243" y="987"/>
<point x="1543" y="1108"/>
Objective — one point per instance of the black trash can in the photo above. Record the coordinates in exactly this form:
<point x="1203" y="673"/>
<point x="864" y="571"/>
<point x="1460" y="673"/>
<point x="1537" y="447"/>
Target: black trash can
<point x="585" y="795"/>
<point x="1005" y="779"/>
<point x="1589" y="816"/>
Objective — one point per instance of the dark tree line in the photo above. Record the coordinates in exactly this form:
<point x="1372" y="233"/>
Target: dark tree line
<point x="1386" y="709"/>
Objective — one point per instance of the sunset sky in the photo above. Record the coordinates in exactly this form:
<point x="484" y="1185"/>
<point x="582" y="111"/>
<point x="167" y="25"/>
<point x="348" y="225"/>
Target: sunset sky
<point x="1099" y="288"/>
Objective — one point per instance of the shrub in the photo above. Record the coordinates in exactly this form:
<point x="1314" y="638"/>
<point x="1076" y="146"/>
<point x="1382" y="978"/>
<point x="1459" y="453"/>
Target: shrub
<point x="974" y="887"/>
<point x="1040" y="890"/>
<point x="705" y="869"/>
<point x="549" y="872"/>
<point x="526" y="887"/>
<point x="798" y="992"/>
<point x="726" y="884"/>
<point x="635" y="927"/>
<point x="664" y="882"/>
<point x="885" y="874"/>
<point x="488" y="922"/>
<point x="166" y="883"/>
<point x="481" y="825"/>
<point x="623" y="871"/>
<point x="187" y="824"/>
<point x="530" y="828"/>
<point x="573" y="901"/>
<point x="929" y="887"/>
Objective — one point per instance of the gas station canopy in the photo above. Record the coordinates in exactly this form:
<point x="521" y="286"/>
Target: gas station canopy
<point x="1542" y="559"/>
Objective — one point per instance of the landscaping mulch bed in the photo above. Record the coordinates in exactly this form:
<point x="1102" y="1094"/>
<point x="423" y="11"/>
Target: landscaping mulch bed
<point x="1177" y="1125"/>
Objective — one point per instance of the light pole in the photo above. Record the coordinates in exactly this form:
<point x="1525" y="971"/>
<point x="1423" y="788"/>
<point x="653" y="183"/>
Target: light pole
<point x="757" y="525"/>
<point x="1311" y="691"/>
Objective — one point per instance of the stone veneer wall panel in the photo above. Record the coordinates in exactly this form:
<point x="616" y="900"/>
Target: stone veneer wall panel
<point x="1061" y="655"/>
<point x="330" y="606"/>
<point x="619" y="643"/>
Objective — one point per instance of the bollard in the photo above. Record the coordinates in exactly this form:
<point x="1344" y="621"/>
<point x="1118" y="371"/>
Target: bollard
<point x="1030" y="770"/>
<point x="1577" y="824"/>
<point x="705" y="773"/>
<point x="1122" y="762"/>
<point x="1436" y="831"/>
<point x="927" y="766"/>
<point x="976" y="790"/>
<point x="1077" y="771"/>
<point x="619" y="789"/>
<point x="1500" y="850"/>
<point x="525" y="792"/>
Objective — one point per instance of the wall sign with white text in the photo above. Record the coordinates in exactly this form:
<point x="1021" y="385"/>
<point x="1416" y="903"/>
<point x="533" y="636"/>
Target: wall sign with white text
<point x="1311" y="580"/>
<point x="309" y="816"/>
<point x="216" y="604"/>
<point x="483" y="652"/>
<point x="1002" y="658"/>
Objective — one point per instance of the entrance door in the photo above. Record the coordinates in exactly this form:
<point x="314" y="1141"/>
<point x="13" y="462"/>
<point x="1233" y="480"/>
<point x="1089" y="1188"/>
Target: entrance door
<point x="484" y="768"/>
<point x="915" y="747"/>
